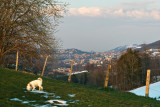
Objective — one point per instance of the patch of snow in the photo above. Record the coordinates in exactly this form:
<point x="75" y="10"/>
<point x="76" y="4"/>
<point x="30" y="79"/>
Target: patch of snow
<point x="58" y="97"/>
<point x="53" y="102"/>
<point x="155" y="53"/>
<point x="138" y="47"/>
<point x="46" y="96"/>
<point x="62" y="102"/>
<point x="75" y="101"/>
<point x="41" y="92"/>
<point x="154" y="91"/>
<point x="50" y="101"/>
<point x="78" y="72"/>
<point x="32" y="101"/>
<point x="47" y="105"/>
<point x="25" y="102"/>
<point x="15" y="99"/>
<point x="71" y="95"/>
<point x="50" y="93"/>
<point x="84" y="71"/>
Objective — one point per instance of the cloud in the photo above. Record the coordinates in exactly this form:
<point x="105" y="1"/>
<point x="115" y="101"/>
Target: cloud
<point x="156" y="14"/>
<point x="92" y="11"/>
<point x="138" y="10"/>
<point x="115" y="12"/>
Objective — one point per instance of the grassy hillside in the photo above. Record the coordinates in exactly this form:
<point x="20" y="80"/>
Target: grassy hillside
<point x="13" y="84"/>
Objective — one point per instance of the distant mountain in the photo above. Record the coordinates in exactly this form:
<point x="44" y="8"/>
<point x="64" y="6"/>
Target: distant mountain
<point x="141" y="47"/>
<point x="154" y="45"/>
<point x="73" y="51"/>
<point x="122" y="48"/>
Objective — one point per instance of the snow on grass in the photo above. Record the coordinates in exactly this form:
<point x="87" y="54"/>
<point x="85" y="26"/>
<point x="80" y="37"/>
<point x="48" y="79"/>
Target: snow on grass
<point x="41" y="92"/>
<point x="53" y="100"/>
<point x="25" y="102"/>
<point x="74" y="101"/>
<point x="15" y="99"/>
<point x="47" y="105"/>
<point x="71" y="95"/>
<point x="46" y="94"/>
<point x="154" y="90"/>
<point x="58" y="96"/>
<point x="60" y="102"/>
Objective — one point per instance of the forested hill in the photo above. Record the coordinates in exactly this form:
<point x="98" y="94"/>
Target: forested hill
<point x="154" y="45"/>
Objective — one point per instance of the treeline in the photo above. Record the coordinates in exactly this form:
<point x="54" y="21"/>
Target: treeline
<point x="130" y="70"/>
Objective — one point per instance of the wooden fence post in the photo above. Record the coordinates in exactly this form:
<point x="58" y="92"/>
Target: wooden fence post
<point x="70" y="72"/>
<point x="44" y="65"/>
<point x="147" y="83"/>
<point x="17" y="61"/>
<point x="107" y="77"/>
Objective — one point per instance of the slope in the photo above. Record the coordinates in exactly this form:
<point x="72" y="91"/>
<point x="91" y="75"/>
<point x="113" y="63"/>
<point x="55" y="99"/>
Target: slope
<point x="58" y="93"/>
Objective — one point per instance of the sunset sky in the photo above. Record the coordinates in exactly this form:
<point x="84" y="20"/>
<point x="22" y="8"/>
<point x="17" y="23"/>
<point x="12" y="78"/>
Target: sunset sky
<point x="101" y="25"/>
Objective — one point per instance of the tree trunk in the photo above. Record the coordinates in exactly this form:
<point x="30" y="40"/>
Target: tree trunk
<point x="1" y="60"/>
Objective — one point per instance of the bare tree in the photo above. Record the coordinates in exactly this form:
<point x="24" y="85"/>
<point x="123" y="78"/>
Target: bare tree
<point x="27" y="26"/>
<point x="129" y="70"/>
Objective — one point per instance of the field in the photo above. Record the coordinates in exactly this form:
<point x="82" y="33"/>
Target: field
<point x="58" y="93"/>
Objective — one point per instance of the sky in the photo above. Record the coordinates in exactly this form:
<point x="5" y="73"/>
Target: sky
<point x="101" y="25"/>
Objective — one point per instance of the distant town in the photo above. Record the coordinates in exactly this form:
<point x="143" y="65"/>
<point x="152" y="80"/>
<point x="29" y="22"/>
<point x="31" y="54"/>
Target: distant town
<point x="81" y="58"/>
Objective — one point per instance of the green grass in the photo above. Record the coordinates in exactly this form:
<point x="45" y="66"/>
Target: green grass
<point x="13" y="84"/>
